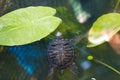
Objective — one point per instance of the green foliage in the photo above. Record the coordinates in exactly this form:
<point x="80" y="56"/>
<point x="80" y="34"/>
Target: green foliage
<point x="69" y="26"/>
<point x="103" y="29"/>
<point x="27" y="25"/>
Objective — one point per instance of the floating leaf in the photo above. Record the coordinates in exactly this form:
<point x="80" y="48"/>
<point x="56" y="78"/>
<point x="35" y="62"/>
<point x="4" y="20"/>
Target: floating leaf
<point x="27" y="25"/>
<point x="103" y="29"/>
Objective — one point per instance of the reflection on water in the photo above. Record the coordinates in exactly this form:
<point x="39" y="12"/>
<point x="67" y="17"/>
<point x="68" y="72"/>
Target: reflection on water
<point x="31" y="58"/>
<point x="27" y="56"/>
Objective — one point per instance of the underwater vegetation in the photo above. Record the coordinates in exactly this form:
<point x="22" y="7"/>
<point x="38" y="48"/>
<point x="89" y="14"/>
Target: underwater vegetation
<point x="27" y="25"/>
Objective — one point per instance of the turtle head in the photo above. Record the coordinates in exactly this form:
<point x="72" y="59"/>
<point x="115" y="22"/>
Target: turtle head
<point x="58" y="35"/>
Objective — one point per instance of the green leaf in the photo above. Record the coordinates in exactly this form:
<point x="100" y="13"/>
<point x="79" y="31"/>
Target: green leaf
<point x="27" y="25"/>
<point x="103" y="29"/>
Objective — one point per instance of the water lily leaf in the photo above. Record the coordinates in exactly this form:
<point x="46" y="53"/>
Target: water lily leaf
<point x="103" y="29"/>
<point x="27" y="25"/>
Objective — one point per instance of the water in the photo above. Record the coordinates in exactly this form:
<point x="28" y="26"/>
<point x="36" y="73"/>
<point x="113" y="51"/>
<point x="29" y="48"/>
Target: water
<point x="29" y="61"/>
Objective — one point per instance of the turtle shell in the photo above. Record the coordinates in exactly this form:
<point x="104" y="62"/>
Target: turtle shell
<point x="60" y="53"/>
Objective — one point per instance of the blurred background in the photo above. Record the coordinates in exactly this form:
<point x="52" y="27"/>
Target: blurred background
<point x="28" y="62"/>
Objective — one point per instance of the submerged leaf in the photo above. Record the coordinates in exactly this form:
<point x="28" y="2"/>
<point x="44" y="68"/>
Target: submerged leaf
<point x="103" y="29"/>
<point x="27" y="25"/>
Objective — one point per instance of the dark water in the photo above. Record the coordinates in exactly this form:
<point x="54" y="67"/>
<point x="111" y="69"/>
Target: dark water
<point x="26" y="61"/>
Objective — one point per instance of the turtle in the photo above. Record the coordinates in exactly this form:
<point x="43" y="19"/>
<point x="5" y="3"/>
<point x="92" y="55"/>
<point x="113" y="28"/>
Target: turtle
<point x="61" y="54"/>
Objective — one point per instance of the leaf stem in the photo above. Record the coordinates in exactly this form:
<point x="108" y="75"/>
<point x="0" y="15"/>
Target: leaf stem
<point x="116" y="6"/>
<point x="108" y="66"/>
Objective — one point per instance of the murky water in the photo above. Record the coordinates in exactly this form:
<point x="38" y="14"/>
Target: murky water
<point x="28" y="62"/>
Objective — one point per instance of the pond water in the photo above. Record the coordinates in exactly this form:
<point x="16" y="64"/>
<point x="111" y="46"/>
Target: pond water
<point x="29" y="62"/>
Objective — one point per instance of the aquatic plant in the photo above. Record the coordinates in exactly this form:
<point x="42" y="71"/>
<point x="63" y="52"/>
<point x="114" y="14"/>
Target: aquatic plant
<point x="106" y="29"/>
<point x="27" y="25"/>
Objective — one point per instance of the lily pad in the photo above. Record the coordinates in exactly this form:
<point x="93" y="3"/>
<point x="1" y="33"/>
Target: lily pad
<point x="27" y="25"/>
<point x="103" y="29"/>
